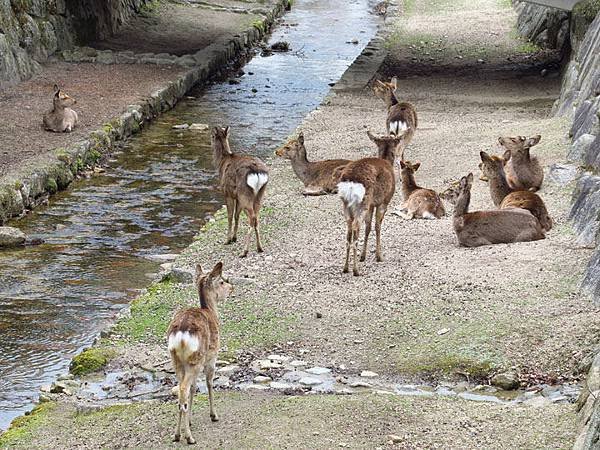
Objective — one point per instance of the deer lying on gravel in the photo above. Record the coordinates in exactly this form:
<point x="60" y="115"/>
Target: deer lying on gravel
<point x="193" y="342"/>
<point x="418" y="202"/>
<point x="367" y="186"/>
<point x="450" y="194"/>
<point x="61" y="119"/>
<point x="491" y="227"/>
<point x="317" y="176"/>
<point x="523" y="171"/>
<point x="243" y="181"/>
<point x="402" y="116"/>
<point x="505" y="197"/>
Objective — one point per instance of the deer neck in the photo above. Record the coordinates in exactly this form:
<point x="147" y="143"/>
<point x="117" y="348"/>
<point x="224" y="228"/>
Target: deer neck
<point x="300" y="164"/>
<point x="58" y="108"/>
<point x="221" y="152"/>
<point x="409" y="185"/>
<point x="391" y="100"/>
<point x="462" y="203"/>
<point x="521" y="157"/>
<point x="499" y="187"/>
<point x="207" y="299"/>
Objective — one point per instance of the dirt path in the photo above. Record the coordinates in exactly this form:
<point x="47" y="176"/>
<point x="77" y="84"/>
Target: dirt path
<point x="430" y="311"/>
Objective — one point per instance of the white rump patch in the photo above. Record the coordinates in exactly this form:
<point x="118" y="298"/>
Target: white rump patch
<point x="184" y="344"/>
<point x="257" y="180"/>
<point x="398" y="127"/>
<point x="428" y="215"/>
<point x="352" y="193"/>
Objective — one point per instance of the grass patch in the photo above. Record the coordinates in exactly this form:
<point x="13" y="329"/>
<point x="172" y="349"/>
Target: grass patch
<point x="24" y="428"/>
<point x="91" y="360"/>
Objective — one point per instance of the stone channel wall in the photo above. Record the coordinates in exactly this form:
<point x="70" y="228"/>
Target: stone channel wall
<point x="22" y="190"/>
<point x="33" y="30"/>
<point x="545" y="27"/>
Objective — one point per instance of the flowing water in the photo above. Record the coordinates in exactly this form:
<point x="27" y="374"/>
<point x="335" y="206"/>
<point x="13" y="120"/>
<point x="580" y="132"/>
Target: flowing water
<point x="102" y="236"/>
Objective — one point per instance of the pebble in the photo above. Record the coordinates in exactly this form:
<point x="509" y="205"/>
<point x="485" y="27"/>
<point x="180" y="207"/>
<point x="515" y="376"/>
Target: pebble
<point x="395" y="438"/>
<point x="443" y="331"/>
<point x="11" y="237"/>
<point x="298" y="363"/>
<point x="228" y="370"/>
<point x="261" y="379"/>
<point x="368" y="374"/>
<point x="318" y="370"/>
<point x="309" y="381"/>
<point x="356" y="384"/>
<point x="280" y="385"/>
<point x="265" y="364"/>
<point x="183" y="126"/>
<point x="279" y="358"/>
<point x="199" y="126"/>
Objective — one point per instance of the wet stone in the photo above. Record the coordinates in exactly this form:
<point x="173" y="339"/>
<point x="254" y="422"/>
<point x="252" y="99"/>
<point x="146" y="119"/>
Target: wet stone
<point x="506" y="380"/>
<point x="261" y="379"/>
<point x="368" y="374"/>
<point x="228" y="370"/>
<point x="310" y="381"/>
<point x="318" y="370"/>
<point x="11" y="237"/>
<point x="280" y="385"/>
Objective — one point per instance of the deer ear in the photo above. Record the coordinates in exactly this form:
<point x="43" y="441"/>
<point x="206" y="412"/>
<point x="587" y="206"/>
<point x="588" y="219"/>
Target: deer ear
<point x="484" y="156"/>
<point x="217" y="271"/>
<point x="372" y="136"/>
<point x="226" y="130"/>
<point x="379" y="82"/>
<point x="470" y="178"/>
<point x="534" y="140"/>
<point x="402" y="164"/>
<point x="214" y="132"/>
<point x="301" y="138"/>
<point x="416" y="166"/>
<point x="394" y="82"/>
<point x="56" y="89"/>
<point x="506" y="156"/>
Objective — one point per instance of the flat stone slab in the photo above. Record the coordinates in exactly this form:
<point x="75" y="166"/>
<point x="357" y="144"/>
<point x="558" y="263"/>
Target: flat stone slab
<point x="11" y="237"/>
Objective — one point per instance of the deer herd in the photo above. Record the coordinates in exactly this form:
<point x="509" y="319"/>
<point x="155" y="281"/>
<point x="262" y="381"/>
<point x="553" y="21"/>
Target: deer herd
<point x="366" y="187"/>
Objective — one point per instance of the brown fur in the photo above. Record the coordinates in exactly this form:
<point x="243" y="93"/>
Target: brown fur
<point x="397" y="111"/>
<point x="523" y="171"/>
<point x="491" y="227"/>
<point x="450" y="194"/>
<point x="202" y="325"/>
<point x="505" y="197"/>
<point x="419" y="202"/>
<point x="61" y="119"/>
<point x="317" y="176"/>
<point x="233" y="175"/>
<point x="376" y="175"/>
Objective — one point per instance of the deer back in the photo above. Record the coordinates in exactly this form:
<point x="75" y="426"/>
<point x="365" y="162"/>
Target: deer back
<point x="376" y="175"/>
<point x="531" y="202"/>
<point x="202" y="326"/>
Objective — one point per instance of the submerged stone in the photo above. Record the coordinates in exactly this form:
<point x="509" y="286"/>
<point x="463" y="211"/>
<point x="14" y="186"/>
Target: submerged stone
<point x="11" y="237"/>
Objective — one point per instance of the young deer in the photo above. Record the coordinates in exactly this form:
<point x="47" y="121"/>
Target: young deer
<point x="243" y="181"/>
<point x="317" y="176"/>
<point x="61" y="118"/>
<point x="402" y="116"/>
<point x="193" y="342"/>
<point x="367" y="186"/>
<point x="523" y="171"/>
<point x="450" y="194"/>
<point x="504" y="197"/>
<point x="419" y="202"/>
<point x="491" y="227"/>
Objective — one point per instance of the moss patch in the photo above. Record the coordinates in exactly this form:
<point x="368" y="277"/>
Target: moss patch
<point x="23" y="428"/>
<point x="91" y="360"/>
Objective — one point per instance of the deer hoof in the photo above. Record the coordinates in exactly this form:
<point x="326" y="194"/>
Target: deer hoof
<point x="244" y="254"/>
<point x="176" y="438"/>
<point x="214" y="417"/>
<point x="259" y="249"/>
<point x="345" y="270"/>
<point x="379" y="259"/>
<point x="362" y="258"/>
<point x="356" y="273"/>
<point x="190" y="440"/>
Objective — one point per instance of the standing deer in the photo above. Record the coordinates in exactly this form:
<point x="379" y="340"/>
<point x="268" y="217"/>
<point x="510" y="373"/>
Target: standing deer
<point x="317" y="176"/>
<point x="419" y="202"/>
<point x="504" y="197"/>
<point x="193" y="342"/>
<point x="523" y="171"/>
<point x="402" y="116"/>
<point x="61" y="119"/>
<point x="491" y="227"/>
<point x="243" y="181"/>
<point x="367" y="186"/>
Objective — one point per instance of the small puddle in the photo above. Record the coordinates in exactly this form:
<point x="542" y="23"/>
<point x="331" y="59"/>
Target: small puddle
<point x="101" y="235"/>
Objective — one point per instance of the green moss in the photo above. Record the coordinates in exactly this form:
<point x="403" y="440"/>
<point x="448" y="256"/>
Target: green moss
<point x="23" y="428"/>
<point x="259" y="24"/>
<point x="91" y="360"/>
<point x="51" y="185"/>
<point x="587" y="9"/>
<point x="18" y="185"/>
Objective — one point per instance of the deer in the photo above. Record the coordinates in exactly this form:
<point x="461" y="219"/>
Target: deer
<point x="450" y="194"/>
<point x="523" y="172"/>
<point x="193" y="343"/>
<point x="243" y="180"/>
<point x="61" y="119"/>
<point x="367" y="186"/>
<point x="499" y="226"/>
<point x="418" y="202"/>
<point x="317" y="176"/>
<point x="402" y="116"/>
<point x="503" y="196"/>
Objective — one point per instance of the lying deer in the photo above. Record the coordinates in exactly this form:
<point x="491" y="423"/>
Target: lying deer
<point x="491" y="227"/>
<point x="243" y="181"/>
<point x="61" y="119"/>
<point x="193" y="342"/>
<point x="418" y="202"/>
<point x="367" y="186"/>
<point x="450" y="194"/>
<point x="523" y="171"/>
<point x="402" y="116"/>
<point x="317" y="176"/>
<point x="505" y="197"/>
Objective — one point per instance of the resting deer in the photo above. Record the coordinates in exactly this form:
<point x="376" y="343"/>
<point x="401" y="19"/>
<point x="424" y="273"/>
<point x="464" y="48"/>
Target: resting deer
<point x="402" y="116"/>
<point x="61" y="118"/>
<point x="243" y="181"/>
<point x="505" y="197"/>
<point x="317" y="176"/>
<point x="367" y="186"/>
<point x="450" y="194"/>
<point x="523" y="171"/>
<point x="491" y="227"/>
<point x="419" y="202"/>
<point x="193" y="342"/>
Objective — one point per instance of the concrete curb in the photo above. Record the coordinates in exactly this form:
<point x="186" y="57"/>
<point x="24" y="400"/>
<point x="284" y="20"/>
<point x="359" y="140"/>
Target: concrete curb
<point x="23" y="189"/>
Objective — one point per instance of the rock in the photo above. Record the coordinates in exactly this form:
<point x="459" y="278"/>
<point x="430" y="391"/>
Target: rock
<point x="183" y="126"/>
<point x="562" y="174"/>
<point x="44" y="398"/>
<point x="199" y="126"/>
<point x="261" y="379"/>
<point x="310" y="381"/>
<point x="11" y="237"/>
<point x="318" y="370"/>
<point x="222" y="382"/>
<point x="65" y="376"/>
<point x="368" y="374"/>
<point x="298" y="363"/>
<point x="280" y="385"/>
<point x="443" y="331"/>
<point x="279" y="358"/>
<point x="45" y="388"/>
<point x="580" y="147"/>
<point x="265" y="364"/>
<point x="356" y="384"/>
<point x="228" y="370"/>
<point x="506" y="380"/>
<point x="179" y="275"/>
<point x="395" y="438"/>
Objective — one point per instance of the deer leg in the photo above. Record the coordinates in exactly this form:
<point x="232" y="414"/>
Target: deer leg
<point x="184" y="406"/>
<point x="251" y="219"/>
<point x="210" y="375"/>
<point x="259" y="247"/>
<point x="238" y="210"/>
<point x="355" y="234"/>
<point x="179" y="372"/>
<point x="378" y="219"/>
<point x="230" y="203"/>
<point x="368" y="220"/>
<point x="348" y="243"/>
<point x="192" y="393"/>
